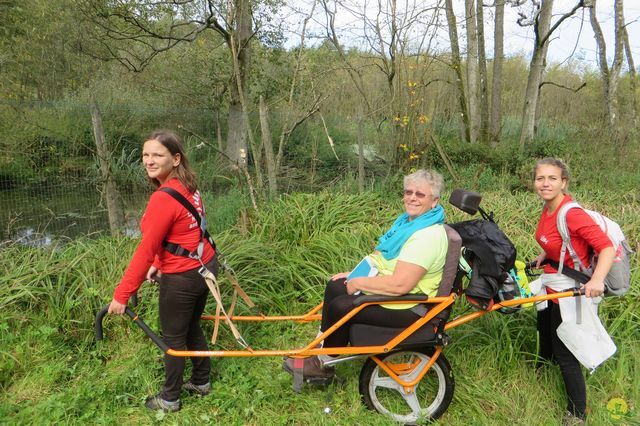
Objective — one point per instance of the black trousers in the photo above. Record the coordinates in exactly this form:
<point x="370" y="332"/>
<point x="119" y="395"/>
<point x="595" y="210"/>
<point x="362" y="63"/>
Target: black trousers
<point x="337" y="303"/>
<point x="183" y="297"/>
<point x="552" y="349"/>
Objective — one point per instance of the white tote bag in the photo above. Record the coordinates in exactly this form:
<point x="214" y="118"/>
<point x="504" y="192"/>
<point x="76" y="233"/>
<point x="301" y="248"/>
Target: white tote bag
<point x="585" y="335"/>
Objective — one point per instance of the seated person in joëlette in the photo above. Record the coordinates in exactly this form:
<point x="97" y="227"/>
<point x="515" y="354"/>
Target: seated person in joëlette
<point x="410" y="259"/>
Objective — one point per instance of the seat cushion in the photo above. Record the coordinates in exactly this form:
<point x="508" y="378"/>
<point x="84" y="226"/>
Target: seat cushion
<point x="372" y="335"/>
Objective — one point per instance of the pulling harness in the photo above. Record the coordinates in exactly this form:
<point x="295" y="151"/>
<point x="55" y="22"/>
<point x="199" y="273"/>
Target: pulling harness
<point x="209" y="276"/>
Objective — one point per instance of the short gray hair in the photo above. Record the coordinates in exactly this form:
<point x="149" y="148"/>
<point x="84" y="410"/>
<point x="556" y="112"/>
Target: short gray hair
<point x="430" y="177"/>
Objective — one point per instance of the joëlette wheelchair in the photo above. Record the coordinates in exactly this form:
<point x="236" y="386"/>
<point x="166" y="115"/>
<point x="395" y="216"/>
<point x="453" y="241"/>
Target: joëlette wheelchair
<point x="405" y="376"/>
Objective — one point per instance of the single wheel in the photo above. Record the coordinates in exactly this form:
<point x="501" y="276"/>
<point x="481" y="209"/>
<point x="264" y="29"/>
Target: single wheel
<point x="428" y="399"/>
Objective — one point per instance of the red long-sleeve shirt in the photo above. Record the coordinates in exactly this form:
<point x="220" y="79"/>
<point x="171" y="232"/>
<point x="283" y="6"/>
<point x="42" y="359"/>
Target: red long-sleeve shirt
<point x="164" y="219"/>
<point x="584" y="232"/>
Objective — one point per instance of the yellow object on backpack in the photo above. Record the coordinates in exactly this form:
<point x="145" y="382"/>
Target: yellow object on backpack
<point x="523" y="280"/>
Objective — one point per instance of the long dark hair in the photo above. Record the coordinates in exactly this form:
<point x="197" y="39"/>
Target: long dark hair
<point x="173" y="143"/>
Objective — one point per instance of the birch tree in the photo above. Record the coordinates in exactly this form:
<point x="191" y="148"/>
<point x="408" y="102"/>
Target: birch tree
<point x="541" y="21"/>
<point x="472" y="70"/>
<point x="610" y="74"/>
<point x="456" y="65"/>
<point x="483" y="89"/>
<point x="496" y="86"/>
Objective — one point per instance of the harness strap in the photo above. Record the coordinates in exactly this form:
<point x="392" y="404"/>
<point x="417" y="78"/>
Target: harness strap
<point x="212" y="283"/>
<point x="232" y="278"/>
<point x="204" y="234"/>
<point x="208" y="276"/>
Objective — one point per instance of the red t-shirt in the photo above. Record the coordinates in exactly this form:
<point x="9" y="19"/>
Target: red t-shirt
<point x="164" y="219"/>
<point x="586" y="236"/>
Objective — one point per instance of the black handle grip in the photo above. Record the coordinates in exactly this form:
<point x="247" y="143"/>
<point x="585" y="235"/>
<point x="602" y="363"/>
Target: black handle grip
<point x="532" y="264"/>
<point x="98" y="324"/>
<point x="144" y="327"/>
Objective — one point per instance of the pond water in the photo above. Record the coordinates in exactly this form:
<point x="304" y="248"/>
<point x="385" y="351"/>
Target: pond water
<point x="38" y="217"/>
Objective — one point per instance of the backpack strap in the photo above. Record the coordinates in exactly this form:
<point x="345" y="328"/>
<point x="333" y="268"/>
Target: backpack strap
<point x="563" y="229"/>
<point x="177" y="249"/>
<point x="569" y="272"/>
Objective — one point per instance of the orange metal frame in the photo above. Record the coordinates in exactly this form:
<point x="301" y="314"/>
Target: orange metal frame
<point x="441" y="303"/>
<point x="394" y="370"/>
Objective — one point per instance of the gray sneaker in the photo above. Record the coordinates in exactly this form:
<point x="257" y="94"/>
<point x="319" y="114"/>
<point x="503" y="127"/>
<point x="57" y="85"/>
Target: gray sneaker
<point x="155" y="402"/>
<point x="202" y="390"/>
<point x="571" y="419"/>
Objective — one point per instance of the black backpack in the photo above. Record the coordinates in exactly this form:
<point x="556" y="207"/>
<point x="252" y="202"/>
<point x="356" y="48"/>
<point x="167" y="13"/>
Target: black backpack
<point x="491" y="255"/>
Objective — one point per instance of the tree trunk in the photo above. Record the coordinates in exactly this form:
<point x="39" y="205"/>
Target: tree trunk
<point x="112" y="197"/>
<point x="456" y="64"/>
<point x="237" y="133"/>
<point x="496" y="87"/>
<point x="536" y="120"/>
<point x="220" y="143"/>
<point x="610" y="76"/>
<point x="472" y="71"/>
<point x="482" y="72"/>
<point x="632" y="77"/>
<point x="360" y="150"/>
<point x="268" y="149"/>
<point x="536" y="68"/>
<point x="240" y="47"/>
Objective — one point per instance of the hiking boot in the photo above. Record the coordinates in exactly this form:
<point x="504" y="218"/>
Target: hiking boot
<point x="155" y="402"/>
<point x="202" y="390"/>
<point x="312" y="371"/>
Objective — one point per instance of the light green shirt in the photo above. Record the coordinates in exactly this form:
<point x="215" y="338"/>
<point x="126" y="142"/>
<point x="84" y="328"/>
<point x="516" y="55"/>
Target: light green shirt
<point x="427" y="248"/>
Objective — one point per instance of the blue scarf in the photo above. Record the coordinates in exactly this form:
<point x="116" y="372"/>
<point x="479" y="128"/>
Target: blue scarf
<point x="392" y="241"/>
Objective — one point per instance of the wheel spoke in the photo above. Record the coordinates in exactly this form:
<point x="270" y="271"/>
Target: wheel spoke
<point x="412" y="401"/>
<point x="387" y="382"/>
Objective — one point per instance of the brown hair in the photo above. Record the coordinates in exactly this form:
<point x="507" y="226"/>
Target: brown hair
<point x="551" y="161"/>
<point x="173" y="143"/>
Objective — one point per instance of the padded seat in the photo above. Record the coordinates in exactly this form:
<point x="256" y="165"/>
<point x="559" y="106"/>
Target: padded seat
<point x="370" y="335"/>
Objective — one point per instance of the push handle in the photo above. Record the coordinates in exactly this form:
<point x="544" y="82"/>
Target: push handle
<point x="580" y="277"/>
<point x="135" y="318"/>
<point x="571" y="273"/>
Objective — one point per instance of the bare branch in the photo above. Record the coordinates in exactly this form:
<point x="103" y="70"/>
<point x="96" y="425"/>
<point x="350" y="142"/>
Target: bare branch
<point x="561" y="86"/>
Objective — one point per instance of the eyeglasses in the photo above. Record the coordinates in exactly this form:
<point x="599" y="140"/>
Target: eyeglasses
<point x="419" y="195"/>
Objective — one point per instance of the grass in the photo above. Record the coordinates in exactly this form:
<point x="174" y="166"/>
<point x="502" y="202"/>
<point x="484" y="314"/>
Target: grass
<point x="53" y="371"/>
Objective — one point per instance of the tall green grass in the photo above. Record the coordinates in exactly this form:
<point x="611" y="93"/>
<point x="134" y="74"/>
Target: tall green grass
<point x="53" y="371"/>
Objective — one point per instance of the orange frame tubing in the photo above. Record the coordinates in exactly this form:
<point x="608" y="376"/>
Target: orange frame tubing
<point x="311" y="349"/>
<point x="394" y="370"/>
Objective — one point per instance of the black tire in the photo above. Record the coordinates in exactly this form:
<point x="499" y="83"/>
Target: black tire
<point x="431" y="396"/>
